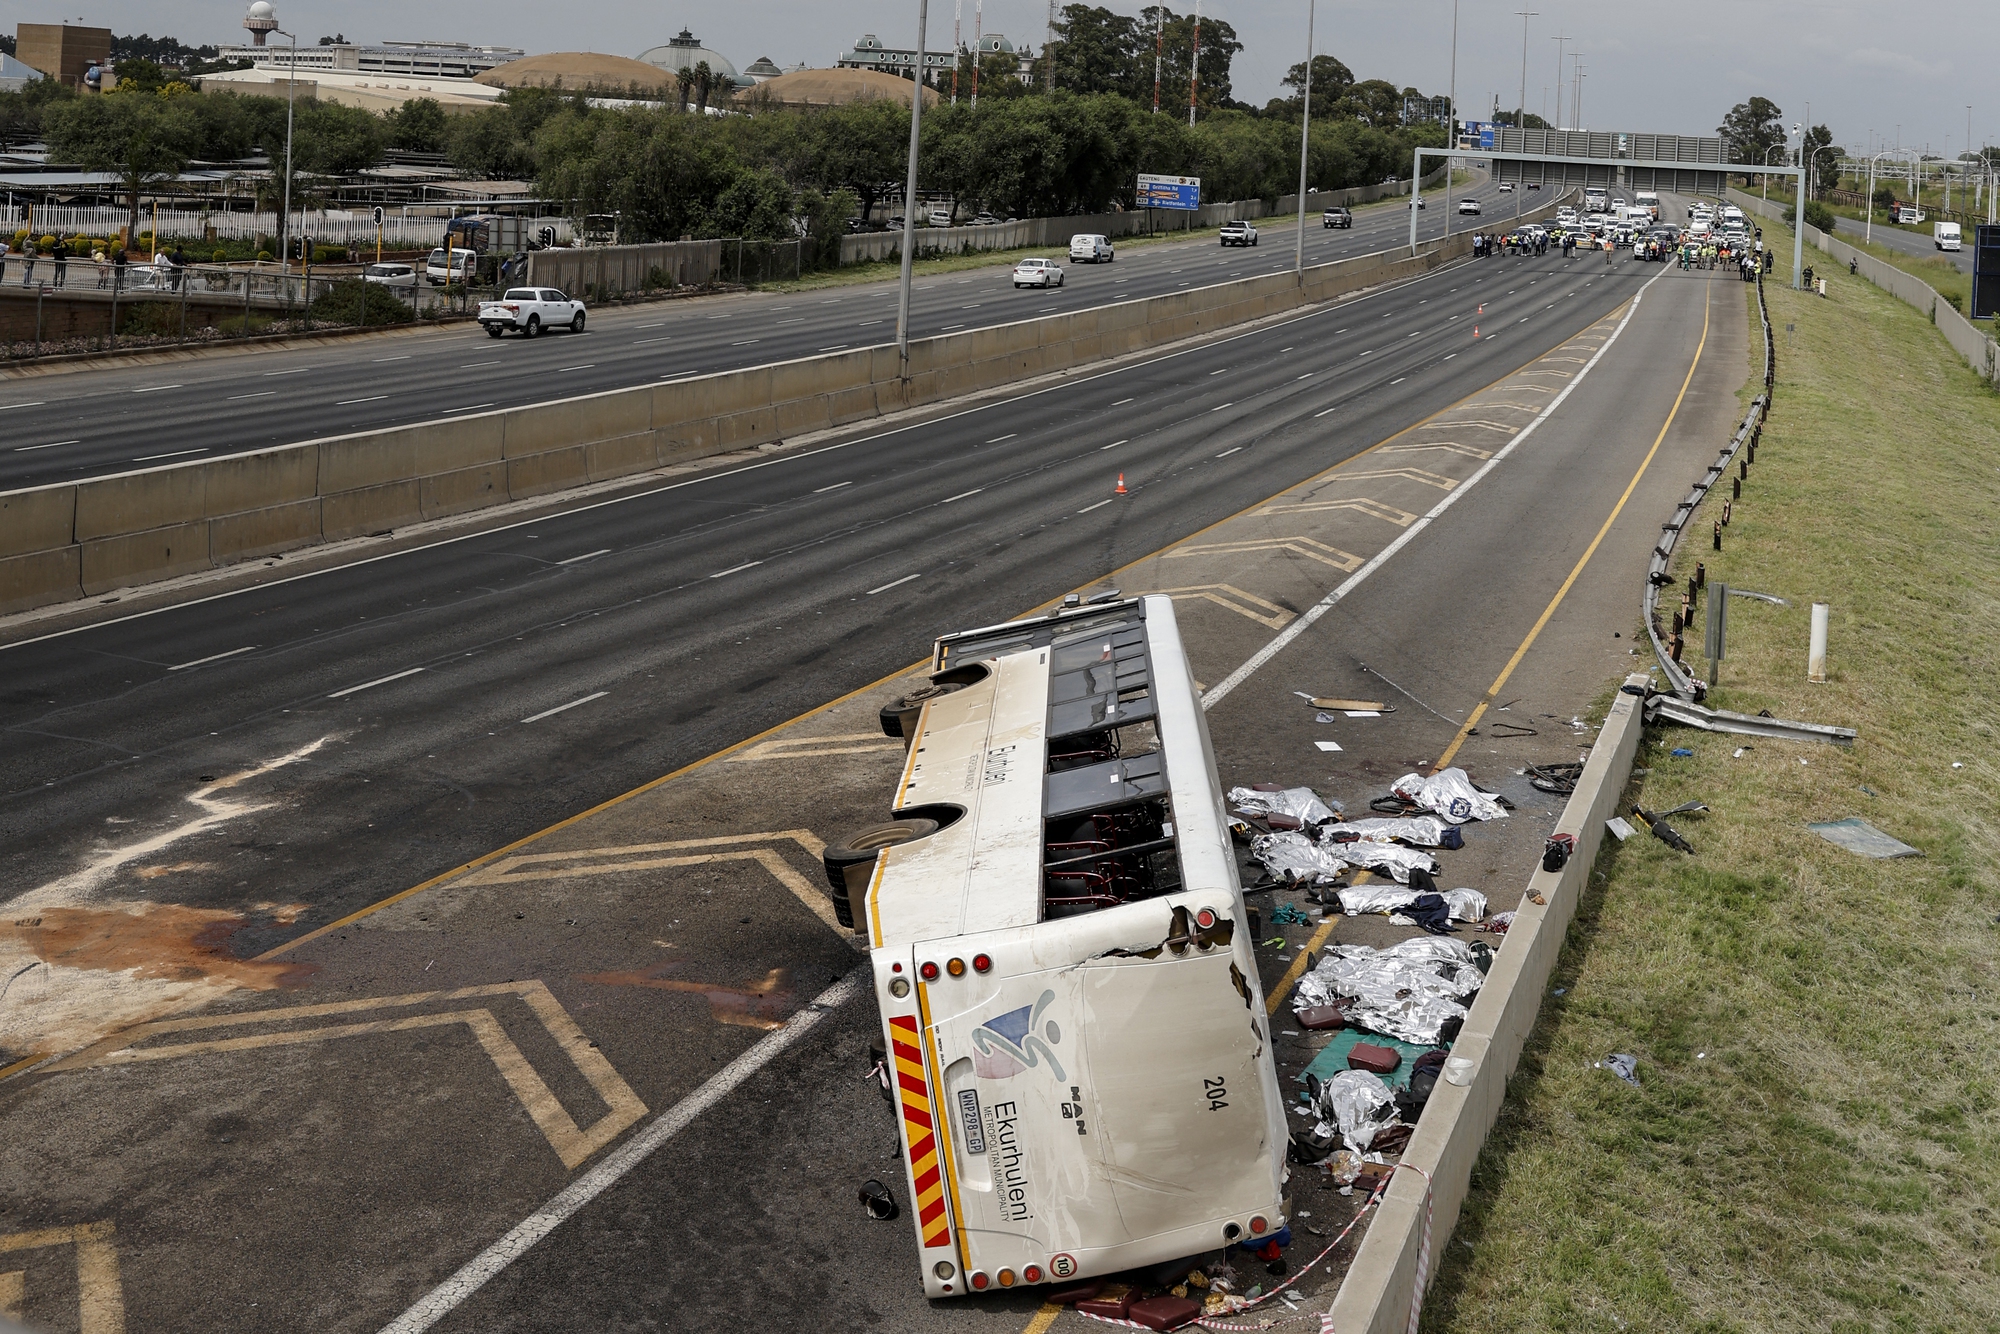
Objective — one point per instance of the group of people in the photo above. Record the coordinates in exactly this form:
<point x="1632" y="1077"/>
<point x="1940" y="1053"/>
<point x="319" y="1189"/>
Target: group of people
<point x="1750" y="260"/>
<point x="1486" y="244"/>
<point x="167" y="267"/>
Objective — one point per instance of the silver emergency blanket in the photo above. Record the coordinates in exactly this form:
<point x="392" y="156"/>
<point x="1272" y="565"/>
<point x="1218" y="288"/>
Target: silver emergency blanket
<point x="1301" y="803"/>
<point x="1422" y="831"/>
<point x="1359" y="1104"/>
<point x="1467" y="905"/>
<point x="1375" y="898"/>
<point x="1291" y="855"/>
<point x="1410" y="990"/>
<point x="1394" y="858"/>
<point x="1451" y="794"/>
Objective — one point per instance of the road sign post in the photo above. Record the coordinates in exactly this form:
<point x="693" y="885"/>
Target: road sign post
<point x="378" y="233"/>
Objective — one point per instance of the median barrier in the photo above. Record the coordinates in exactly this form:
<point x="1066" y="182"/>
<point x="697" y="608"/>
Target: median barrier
<point x="63" y="542"/>
<point x="1382" y="1288"/>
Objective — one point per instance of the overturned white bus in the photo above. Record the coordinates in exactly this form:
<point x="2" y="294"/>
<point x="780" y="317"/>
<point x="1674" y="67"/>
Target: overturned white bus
<point x="1076" y="1034"/>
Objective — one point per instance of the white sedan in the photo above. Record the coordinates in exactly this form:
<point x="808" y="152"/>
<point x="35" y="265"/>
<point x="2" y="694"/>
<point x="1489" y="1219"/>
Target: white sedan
<point x="531" y="310"/>
<point x="1038" y="273"/>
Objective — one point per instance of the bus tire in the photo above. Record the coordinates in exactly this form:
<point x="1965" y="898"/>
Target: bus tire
<point x="899" y="719"/>
<point x="851" y="859"/>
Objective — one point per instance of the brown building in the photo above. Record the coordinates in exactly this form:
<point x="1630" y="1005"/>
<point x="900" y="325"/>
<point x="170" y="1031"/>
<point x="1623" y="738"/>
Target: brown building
<point x="61" y="51"/>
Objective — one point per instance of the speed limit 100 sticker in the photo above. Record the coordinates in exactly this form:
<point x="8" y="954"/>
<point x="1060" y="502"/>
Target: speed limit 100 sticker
<point x="1062" y="1266"/>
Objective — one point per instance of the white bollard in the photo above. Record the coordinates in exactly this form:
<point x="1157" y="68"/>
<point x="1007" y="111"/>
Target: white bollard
<point x="1816" y="652"/>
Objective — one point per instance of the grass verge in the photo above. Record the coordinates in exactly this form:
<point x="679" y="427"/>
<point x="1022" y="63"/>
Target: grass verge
<point x="1813" y="1145"/>
<point x="1951" y="282"/>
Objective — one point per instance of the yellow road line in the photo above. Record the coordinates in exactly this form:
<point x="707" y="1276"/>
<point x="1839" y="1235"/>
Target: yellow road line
<point x="1500" y="681"/>
<point x="1043" y="1319"/>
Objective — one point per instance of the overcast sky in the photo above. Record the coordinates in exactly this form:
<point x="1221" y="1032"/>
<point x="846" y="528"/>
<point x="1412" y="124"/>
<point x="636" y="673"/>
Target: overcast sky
<point x="1675" y="68"/>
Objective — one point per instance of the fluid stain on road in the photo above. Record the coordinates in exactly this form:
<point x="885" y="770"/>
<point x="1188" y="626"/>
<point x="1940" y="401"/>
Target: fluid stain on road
<point x="765" y="1004"/>
<point x="71" y="975"/>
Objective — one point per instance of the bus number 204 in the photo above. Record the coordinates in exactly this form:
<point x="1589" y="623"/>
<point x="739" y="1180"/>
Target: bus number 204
<point x="1217" y="1094"/>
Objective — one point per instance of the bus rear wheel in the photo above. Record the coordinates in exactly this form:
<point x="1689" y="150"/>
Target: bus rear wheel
<point x="850" y="861"/>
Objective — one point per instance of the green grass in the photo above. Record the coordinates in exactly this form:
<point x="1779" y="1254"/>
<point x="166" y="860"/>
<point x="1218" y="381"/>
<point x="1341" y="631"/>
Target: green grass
<point x="1815" y="1146"/>
<point x="1936" y="269"/>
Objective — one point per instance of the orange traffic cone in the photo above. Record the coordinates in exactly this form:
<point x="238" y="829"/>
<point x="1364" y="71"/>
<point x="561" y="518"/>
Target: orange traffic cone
<point x="1475" y="331"/>
<point x="1481" y="310"/>
<point x="1121" y="484"/>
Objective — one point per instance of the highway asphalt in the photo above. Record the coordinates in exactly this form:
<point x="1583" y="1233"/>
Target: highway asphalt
<point x="86" y="421"/>
<point x="327" y="1185"/>
<point x="672" y="622"/>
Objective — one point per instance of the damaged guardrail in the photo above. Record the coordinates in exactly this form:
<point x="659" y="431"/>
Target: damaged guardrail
<point x="1689" y="714"/>
<point x="1667" y="643"/>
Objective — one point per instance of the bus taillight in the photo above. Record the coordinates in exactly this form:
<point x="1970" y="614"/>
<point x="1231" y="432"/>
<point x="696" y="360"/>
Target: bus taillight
<point x="929" y="972"/>
<point x="982" y="963"/>
<point x="1033" y="1273"/>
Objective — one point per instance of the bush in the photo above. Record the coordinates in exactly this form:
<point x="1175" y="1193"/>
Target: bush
<point x="1819" y="215"/>
<point x="160" y="319"/>
<point x="355" y="302"/>
<point x="329" y="254"/>
<point x="1883" y="196"/>
<point x="47" y="242"/>
<point x="264" y="257"/>
<point x="219" y="256"/>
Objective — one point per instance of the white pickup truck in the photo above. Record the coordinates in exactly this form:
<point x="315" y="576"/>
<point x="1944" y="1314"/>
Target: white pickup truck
<point x="531" y="310"/>
<point x="1238" y="233"/>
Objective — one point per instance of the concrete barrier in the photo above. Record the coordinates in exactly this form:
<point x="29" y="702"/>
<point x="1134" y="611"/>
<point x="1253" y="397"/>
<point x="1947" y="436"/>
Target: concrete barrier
<point x="1978" y="347"/>
<point x="1377" y="1294"/>
<point x="63" y="542"/>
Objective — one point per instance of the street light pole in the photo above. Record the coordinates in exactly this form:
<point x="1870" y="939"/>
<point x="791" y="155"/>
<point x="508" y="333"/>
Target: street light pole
<point x="1868" y="228"/>
<point x="285" y="224"/>
<point x="1559" y="39"/>
<point x="1451" y="120"/>
<point x="1521" y="111"/>
<point x="910" y="200"/>
<point x="1305" y="141"/>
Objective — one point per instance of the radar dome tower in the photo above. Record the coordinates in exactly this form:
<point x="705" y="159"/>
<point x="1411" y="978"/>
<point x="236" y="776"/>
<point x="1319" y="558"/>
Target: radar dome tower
<point x="259" y="20"/>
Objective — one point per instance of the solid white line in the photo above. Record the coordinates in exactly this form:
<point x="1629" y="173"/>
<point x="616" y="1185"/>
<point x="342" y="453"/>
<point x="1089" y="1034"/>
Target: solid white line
<point x="734" y="568"/>
<point x="549" y="713"/>
<point x="1221" y="689"/>
<point x="1098" y="506"/>
<point x="265" y="393"/>
<point x="998" y="438"/>
<point x="471" y="407"/>
<point x="886" y="587"/>
<point x="22" y="449"/>
<point x="601" y="551"/>
<point x="448" y="1295"/>
<point x="370" y="685"/>
<point x="719" y="475"/>
<point x="213" y="657"/>
<point x="350" y="402"/>
<point x="178" y="453"/>
<point x="9" y="407"/>
<point x="962" y="495"/>
<point x="154" y="389"/>
<point x="835" y="487"/>
<point x="1114" y="444"/>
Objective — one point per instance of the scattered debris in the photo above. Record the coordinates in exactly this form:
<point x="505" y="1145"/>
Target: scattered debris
<point x="1557" y="851"/>
<point x="1625" y="1067"/>
<point x="1858" y="836"/>
<point x="1412" y="990"/>
<point x="1327" y="745"/>
<point x="877" y="1200"/>
<point x="1498" y="923"/>
<point x="1360" y="1104"/>
<point x="1559" y="779"/>
<point x="1620" y="828"/>
<point x="1682" y="753"/>
<point x="1663" y="831"/>
<point x="1286" y="914"/>
<point x="1363" y="706"/>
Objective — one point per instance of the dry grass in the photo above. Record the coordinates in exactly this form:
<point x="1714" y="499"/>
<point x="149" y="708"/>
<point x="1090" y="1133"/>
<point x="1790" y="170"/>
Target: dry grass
<point x="1815" y="1145"/>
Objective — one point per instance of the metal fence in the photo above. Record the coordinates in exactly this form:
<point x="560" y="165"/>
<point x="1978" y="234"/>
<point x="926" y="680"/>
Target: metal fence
<point x="100" y="308"/>
<point x="329" y="225"/>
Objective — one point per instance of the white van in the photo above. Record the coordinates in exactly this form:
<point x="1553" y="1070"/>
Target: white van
<point x="457" y="268"/>
<point x="1946" y="236"/>
<point x="1648" y="200"/>
<point x="1088" y="249"/>
<point x="1077" y="1039"/>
